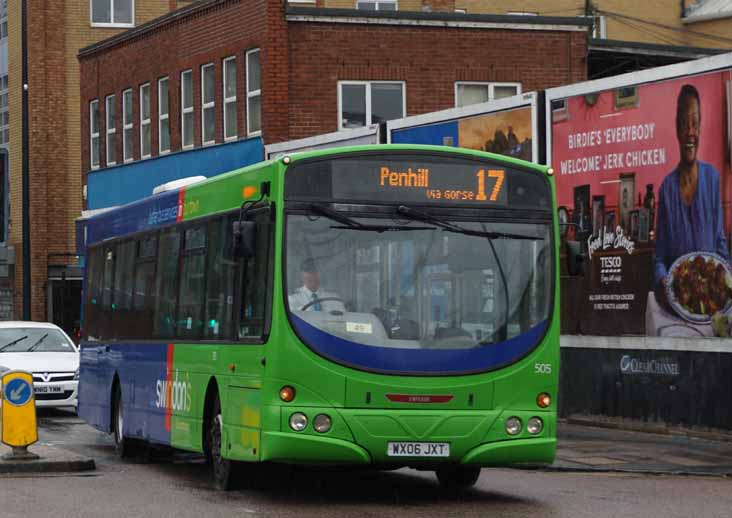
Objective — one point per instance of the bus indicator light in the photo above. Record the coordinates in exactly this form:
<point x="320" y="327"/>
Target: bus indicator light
<point x="287" y="393"/>
<point x="543" y="400"/>
<point x="248" y="191"/>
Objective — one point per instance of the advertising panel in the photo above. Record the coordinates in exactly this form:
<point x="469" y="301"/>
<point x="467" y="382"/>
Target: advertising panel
<point x="505" y="126"/>
<point x="643" y="174"/>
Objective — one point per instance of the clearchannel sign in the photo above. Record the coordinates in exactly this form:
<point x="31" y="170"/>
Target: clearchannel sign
<point x="660" y="367"/>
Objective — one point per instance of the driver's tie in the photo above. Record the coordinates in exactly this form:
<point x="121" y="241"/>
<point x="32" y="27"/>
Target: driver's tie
<point x="316" y="306"/>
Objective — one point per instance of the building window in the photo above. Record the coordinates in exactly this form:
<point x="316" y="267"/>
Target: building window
<point x="127" y="130"/>
<point x="94" y="133"/>
<point x="472" y="93"/>
<point x="362" y="103"/>
<point x="230" y="98"/>
<point x="599" y="27"/>
<point x="111" y="119"/>
<point x="208" y="105"/>
<point x="4" y="112"/>
<point x="145" y="120"/>
<point x="377" y="5"/>
<point x="163" y="116"/>
<point x="3" y="28"/>
<point x="119" y="13"/>
<point x="254" y="93"/>
<point x="186" y="112"/>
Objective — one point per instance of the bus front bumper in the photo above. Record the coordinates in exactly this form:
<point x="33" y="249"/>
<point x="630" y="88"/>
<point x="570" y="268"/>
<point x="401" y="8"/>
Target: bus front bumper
<point x="310" y="449"/>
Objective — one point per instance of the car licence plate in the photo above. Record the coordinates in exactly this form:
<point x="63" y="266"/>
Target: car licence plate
<point x="418" y="449"/>
<point x="52" y="389"/>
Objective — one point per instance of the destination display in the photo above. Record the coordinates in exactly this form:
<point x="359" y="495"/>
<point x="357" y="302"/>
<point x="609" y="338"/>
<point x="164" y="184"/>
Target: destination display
<point x="418" y="180"/>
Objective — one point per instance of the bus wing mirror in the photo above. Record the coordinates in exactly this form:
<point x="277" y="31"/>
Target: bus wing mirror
<point x="244" y="238"/>
<point x="575" y="258"/>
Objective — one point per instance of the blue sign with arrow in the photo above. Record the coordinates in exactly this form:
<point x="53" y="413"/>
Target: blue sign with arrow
<point x="17" y="392"/>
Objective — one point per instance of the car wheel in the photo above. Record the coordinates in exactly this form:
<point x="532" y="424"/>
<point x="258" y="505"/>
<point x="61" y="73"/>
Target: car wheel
<point x="221" y="468"/>
<point x="122" y="445"/>
<point x="458" y="477"/>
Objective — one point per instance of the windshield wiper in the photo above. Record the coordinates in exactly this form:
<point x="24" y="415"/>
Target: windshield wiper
<point x="452" y="227"/>
<point x="9" y="344"/>
<point x="38" y="342"/>
<point x="352" y="224"/>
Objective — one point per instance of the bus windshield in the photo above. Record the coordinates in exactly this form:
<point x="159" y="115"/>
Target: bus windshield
<point x="403" y="291"/>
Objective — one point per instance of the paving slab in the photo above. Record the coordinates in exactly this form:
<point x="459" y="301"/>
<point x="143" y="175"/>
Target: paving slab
<point x="50" y="460"/>
<point x="592" y="448"/>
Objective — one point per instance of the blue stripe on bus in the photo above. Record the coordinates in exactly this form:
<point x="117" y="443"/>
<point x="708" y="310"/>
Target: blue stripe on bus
<point x="443" y="361"/>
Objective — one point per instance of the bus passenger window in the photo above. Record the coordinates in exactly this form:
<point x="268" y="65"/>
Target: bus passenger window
<point x="167" y="284"/>
<point x="254" y="283"/>
<point x="191" y="286"/>
<point x="220" y="281"/>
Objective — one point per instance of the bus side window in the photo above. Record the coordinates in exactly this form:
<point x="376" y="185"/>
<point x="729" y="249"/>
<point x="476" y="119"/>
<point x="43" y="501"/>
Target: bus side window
<point x="122" y="295"/>
<point x="220" y="281"/>
<point x="255" y="275"/>
<point x="191" y="287"/>
<point x="105" y="330"/>
<point x="143" y="290"/>
<point x="167" y="284"/>
<point x="93" y="295"/>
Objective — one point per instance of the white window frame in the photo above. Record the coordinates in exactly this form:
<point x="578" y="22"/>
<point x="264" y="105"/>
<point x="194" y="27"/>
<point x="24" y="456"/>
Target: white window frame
<point x="377" y="2"/>
<point x="127" y="126"/>
<point x="4" y="92"/>
<point x="111" y="133"/>
<point x="111" y="23"/>
<point x="184" y="110"/>
<point x="599" y="27"/>
<point x="368" y="84"/>
<point x="254" y="93"/>
<point x="491" y="88"/>
<point x="231" y="99"/>
<point x="205" y="105"/>
<point x="145" y="122"/>
<point x="162" y="117"/>
<point x="93" y="135"/>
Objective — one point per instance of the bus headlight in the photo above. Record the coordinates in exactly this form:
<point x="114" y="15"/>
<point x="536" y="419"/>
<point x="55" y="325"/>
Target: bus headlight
<point x="298" y="421"/>
<point x="322" y="423"/>
<point x="513" y="426"/>
<point x="534" y="425"/>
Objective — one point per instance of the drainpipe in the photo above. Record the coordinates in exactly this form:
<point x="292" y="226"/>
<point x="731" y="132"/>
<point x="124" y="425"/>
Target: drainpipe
<point x="25" y="172"/>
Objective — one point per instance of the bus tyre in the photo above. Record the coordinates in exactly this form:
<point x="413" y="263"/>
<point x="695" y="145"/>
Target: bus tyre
<point x="458" y="477"/>
<point x="122" y="445"/>
<point x="222" y="469"/>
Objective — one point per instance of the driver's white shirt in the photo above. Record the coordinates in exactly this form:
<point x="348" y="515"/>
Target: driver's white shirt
<point x="302" y="296"/>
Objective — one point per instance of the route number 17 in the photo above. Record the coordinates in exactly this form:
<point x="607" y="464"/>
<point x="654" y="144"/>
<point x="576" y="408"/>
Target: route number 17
<point x="492" y="173"/>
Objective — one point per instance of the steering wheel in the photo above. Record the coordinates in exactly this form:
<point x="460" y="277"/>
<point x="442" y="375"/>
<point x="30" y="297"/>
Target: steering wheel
<point x="324" y="299"/>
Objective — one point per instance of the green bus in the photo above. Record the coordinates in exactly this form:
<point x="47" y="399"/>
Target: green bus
<point x="382" y="306"/>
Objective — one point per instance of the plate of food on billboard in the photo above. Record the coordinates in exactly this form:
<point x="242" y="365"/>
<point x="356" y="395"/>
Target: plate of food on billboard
<point x="699" y="286"/>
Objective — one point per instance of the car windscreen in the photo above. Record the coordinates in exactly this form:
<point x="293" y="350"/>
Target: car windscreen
<point x="34" y="339"/>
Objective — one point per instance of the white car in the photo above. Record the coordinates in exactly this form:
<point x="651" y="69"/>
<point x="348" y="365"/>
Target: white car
<point x="49" y="354"/>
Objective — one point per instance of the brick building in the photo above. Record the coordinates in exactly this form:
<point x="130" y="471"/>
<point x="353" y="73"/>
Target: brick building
<point x="205" y="87"/>
<point x="56" y="31"/>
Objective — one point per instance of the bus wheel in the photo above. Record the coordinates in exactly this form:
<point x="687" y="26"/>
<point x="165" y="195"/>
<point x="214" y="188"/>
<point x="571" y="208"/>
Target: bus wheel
<point x="222" y="468"/>
<point x="122" y="446"/>
<point x="458" y="477"/>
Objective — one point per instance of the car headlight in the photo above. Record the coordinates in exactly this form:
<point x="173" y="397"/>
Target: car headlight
<point x="76" y="374"/>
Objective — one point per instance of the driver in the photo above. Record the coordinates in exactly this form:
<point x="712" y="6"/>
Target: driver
<point x="309" y="296"/>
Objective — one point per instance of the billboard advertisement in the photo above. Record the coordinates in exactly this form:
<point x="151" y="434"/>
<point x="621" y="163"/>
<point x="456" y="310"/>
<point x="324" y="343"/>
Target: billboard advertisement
<point x="506" y="126"/>
<point x="643" y="175"/>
